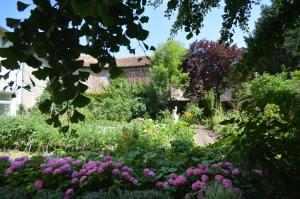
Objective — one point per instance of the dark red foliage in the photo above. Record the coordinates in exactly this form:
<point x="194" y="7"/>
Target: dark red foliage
<point x="207" y="63"/>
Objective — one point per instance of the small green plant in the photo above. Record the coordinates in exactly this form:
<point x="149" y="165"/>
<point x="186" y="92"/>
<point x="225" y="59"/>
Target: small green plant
<point x="216" y="191"/>
<point x="193" y="114"/>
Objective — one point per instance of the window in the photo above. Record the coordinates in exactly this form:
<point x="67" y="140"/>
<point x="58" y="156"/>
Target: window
<point x="5" y="102"/>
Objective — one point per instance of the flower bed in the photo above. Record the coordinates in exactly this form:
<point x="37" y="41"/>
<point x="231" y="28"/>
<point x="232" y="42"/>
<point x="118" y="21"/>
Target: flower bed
<point x="75" y="177"/>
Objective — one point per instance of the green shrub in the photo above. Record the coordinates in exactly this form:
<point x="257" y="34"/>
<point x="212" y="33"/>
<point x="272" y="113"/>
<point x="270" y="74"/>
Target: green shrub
<point x="269" y="139"/>
<point x="193" y="114"/>
<point x="119" y="101"/>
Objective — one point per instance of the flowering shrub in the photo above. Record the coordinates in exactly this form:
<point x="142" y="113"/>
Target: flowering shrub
<point x="74" y="176"/>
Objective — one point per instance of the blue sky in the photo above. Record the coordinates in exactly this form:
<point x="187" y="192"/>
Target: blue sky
<point x="158" y="25"/>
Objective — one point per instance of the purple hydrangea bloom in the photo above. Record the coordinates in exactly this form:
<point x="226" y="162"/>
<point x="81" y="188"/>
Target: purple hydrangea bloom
<point x="197" y="185"/>
<point x="9" y="170"/>
<point x="235" y="172"/>
<point x="69" y="193"/>
<point x="173" y="176"/>
<point x="21" y="159"/>
<point x="47" y="170"/>
<point x="83" y="178"/>
<point x="66" y="168"/>
<point x="224" y="172"/>
<point x="75" y="174"/>
<point x="68" y="159"/>
<point x="126" y="175"/>
<point x="134" y="181"/>
<point x="74" y="181"/>
<point x="189" y="172"/>
<point x="227" y="183"/>
<point x="57" y="172"/>
<point x="4" y="158"/>
<point x="146" y="171"/>
<point x="197" y="171"/>
<point x="76" y="162"/>
<point x="219" y="178"/>
<point x="38" y="184"/>
<point x="201" y="166"/>
<point x="90" y="172"/>
<point x="204" y="178"/>
<point x="180" y="180"/>
<point x="17" y="165"/>
<point x="100" y="170"/>
<point x="107" y="158"/>
<point x="82" y="171"/>
<point x="237" y="190"/>
<point x="159" y="185"/>
<point x="116" y="172"/>
<point x="117" y="164"/>
<point x="228" y="164"/>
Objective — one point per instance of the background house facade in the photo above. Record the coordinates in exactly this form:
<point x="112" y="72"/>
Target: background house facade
<point x="9" y="105"/>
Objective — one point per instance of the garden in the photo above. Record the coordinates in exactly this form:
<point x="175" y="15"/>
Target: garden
<point x="124" y="142"/>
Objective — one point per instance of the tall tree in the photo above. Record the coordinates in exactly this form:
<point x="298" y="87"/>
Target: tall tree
<point x="272" y="48"/>
<point x="207" y="64"/>
<point x="166" y="72"/>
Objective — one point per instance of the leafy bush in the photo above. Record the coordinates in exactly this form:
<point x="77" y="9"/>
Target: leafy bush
<point x="193" y="114"/>
<point x="119" y="101"/>
<point x="269" y="139"/>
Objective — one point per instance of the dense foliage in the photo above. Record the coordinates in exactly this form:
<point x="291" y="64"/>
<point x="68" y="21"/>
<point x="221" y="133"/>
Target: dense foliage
<point x="207" y="64"/>
<point x="166" y="73"/>
<point x="269" y="52"/>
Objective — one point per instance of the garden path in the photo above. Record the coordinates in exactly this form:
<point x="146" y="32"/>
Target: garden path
<point x="204" y="136"/>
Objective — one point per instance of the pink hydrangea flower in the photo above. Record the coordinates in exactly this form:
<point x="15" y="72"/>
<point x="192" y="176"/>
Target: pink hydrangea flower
<point x="159" y="185"/>
<point x="198" y="185"/>
<point x="69" y="193"/>
<point x="228" y="164"/>
<point x="201" y="166"/>
<point x="57" y="172"/>
<point x="47" y="171"/>
<point x="9" y="170"/>
<point x="116" y="172"/>
<point x="235" y="172"/>
<point x="107" y="158"/>
<point x="219" y="178"/>
<point x="224" y="172"/>
<point x="83" y="178"/>
<point x="173" y="176"/>
<point x="74" y="181"/>
<point x="189" y="172"/>
<point x="180" y="180"/>
<point x="227" y="183"/>
<point x="75" y="174"/>
<point x="197" y="171"/>
<point x="38" y="184"/>
<point x="204" y="178"/>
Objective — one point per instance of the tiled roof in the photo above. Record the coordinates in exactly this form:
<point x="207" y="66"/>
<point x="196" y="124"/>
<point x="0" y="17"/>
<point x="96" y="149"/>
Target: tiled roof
<point x="125" y="62"/>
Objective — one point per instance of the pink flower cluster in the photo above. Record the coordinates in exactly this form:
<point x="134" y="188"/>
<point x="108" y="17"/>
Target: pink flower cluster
<point x="149" y="173"/>
<point x="58" y="166"/>
<point x="173" y="181"/>
<point x="15" y="164"/>
<point x="221" y="172"/>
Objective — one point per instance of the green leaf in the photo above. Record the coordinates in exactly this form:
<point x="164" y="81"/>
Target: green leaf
<point x="11" y="64"/>
<point x="21" y="6"/>
<point x="190" y="35"/>
<point x="76" y="117"/>
<point x="45" y="106"/>
<point x="144" y="19"/>
<point x="81" y="101"/>
<point x="12" y="23"/>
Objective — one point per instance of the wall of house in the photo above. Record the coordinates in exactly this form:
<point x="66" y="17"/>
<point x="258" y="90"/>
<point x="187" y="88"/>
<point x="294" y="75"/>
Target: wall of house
<point x="10" y="105"/>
